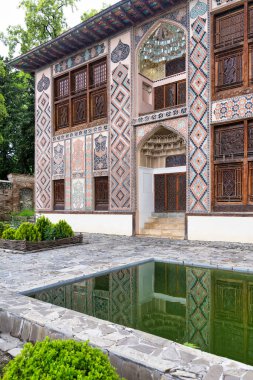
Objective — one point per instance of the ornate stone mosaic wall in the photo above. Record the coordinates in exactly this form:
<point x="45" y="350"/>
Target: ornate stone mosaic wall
<point x="43" y="188"/>
<point x="80" y="58"/>
<point x="58" y="160"/>
<point x="68" y="175"/>
<point x="158" y="116"/>
<point x="177" y="125"/>
<point x="88" y="173"/>
<point x="120" y="155"/>
<point x="198" y="174"/>
<point x="240" y="107"/>
<point x="100" y="154"/>
<point x="198" y="290"/>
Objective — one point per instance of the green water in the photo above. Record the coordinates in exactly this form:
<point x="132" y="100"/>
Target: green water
<point x="212" y="309"/>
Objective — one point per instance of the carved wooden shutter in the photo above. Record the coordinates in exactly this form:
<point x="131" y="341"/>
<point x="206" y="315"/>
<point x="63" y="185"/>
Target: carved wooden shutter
<point x="181" y="93"/>
<point x="229" y="29"/>
<point x="172" y="192"/>
<point x="170" y="95"/>
<point x="228" y="180"/>
<point x="159" y="98"/>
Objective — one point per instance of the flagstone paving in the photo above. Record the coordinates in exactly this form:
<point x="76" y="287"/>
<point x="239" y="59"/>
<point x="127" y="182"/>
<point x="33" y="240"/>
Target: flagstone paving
<point x="133" y="352"/>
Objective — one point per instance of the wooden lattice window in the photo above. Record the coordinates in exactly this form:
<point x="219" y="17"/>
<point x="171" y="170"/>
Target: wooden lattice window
<point x="229" y="70"/>
<point x="81" y="95"/>
<point x="233" y="170"/>
<point x="59" y="192"/>
<point x="170" y="95"/>
<point x="229" y="28"/>
<point x="228" y="180"/>
<point x="233" y="50"/>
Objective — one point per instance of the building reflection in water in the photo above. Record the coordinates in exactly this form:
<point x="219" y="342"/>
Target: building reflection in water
<point x="210" y="308"/>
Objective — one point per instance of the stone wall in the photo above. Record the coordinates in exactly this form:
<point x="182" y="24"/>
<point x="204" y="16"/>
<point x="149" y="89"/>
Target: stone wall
<point x="16" y="194"/>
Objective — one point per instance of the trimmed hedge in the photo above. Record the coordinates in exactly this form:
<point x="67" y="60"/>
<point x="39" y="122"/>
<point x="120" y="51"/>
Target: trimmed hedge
<point x="60" y="360"/>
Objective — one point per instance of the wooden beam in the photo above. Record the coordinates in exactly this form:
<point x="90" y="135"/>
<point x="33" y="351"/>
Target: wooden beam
<point x="128" y="17"/>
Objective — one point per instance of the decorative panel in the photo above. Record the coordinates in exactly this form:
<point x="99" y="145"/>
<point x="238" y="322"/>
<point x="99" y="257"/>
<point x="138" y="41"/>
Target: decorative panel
<point x="229" y="142"/>
<point x="68" y="175"/>
<point x="198" y="175"/>
<point x="78" y="194"/>
<point x="88" y="173"/>
<point x="80" y="58"/>
<point x="229" y="29"/>
<point x="58" y="160"/>
<point x="120" y="159"/>
<point x="229" y="300"/>
<point x="78" y="156"/>
<point x="100" y="154"/>
<point x="79" y="110"/>
<point x="240" y="107"/>
<point x="221" y="3"/>
<point x="198" y="291"/>
<point x="43" y="187"/>
<point x="229" y="69"/>
<point x="98" y="104"/>
<point x="228" y="183"/>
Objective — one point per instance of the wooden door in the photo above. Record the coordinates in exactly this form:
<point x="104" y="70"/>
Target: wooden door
<point x="59" y="194"/>
<point x="101" y="194"/>
<point x="170" y="192"/>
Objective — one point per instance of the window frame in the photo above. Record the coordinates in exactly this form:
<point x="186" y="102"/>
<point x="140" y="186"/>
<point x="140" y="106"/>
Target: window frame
<point x="245" y="160"/>
<point x="245" y="45"/>
<point x="74" y="95"/>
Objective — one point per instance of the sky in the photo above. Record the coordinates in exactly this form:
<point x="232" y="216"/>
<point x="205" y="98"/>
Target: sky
<point x="11" y="15"/>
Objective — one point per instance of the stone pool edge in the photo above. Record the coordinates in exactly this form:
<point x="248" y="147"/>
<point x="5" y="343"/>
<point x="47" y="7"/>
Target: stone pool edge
<point x="135" y="354"/>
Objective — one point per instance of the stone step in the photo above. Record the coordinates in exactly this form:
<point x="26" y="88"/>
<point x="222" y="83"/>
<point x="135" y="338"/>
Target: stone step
<point x="162" y="226"/>
<point x="168" y="233"/>
<point x="166" y="221"/>
<point x="168" y="214"/>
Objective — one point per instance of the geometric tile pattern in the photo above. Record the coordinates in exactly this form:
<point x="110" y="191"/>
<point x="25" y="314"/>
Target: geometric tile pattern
<point x="179" y="126"/>
<point x="158" y="116"/>
<point x="198" y="306"/>
<point x="120" y="153"/>
<point x="84" y="132"/>
<point x="68" y="175"/>
<point x="198" y="176"/>
<point x="58" y="160"/>
<point x="88" y="173"/>
<point x="240" y="107"/>
<point x="43" y="153"/>
<point x="79" y="58"/>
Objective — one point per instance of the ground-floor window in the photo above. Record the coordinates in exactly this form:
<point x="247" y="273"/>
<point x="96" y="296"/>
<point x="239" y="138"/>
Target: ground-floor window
<point x="101" y="194"/>
<point x="233" y="166"/>
<point x="59" y="192"/>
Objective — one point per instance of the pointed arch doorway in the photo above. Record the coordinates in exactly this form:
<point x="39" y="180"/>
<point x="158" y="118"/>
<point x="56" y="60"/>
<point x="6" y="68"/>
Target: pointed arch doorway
<point x="161" y="176"/>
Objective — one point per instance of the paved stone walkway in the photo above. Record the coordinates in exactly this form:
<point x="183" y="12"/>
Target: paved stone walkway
<point x="26" y="318"/>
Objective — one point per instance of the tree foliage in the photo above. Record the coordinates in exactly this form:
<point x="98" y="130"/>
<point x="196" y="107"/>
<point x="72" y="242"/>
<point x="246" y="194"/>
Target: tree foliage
<point x="44" y="20"/>
<point x="92" y="12"/>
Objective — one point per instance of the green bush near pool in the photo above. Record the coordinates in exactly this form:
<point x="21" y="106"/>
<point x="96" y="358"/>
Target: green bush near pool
<point x="60" y="360"/>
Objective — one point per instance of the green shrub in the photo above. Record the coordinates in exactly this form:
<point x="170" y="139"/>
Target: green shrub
<point x="58" y="360"/>
<point x="61" y="230"/>
<point x="28" y="231"/>
<point x="9" y="234"/>
<point x="3" y="227"/>
<point x="26" y="213"/>
<point x="43" y="224"/>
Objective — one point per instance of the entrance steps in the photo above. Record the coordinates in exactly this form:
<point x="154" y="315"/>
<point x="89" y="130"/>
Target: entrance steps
<point x="171" y="225"/>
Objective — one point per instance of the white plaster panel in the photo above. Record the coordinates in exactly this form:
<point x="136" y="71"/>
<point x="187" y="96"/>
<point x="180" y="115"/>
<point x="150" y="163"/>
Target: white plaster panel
<point x="110" y="224"/>
<point x="227" y="228"/>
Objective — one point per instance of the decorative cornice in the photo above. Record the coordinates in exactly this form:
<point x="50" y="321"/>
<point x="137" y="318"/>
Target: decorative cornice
<point x="84" y="132"/>
<point x="163" y="115"/>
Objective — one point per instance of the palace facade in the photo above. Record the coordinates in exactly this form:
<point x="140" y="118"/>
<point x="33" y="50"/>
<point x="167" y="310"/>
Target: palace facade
<point x="144" y="120"/>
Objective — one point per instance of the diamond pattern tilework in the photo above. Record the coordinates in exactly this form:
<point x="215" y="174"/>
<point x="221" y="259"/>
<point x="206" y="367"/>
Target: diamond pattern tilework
<point x="120" y="155"/>
<point x="43" y="153"/>
<point x="198" y="290"/>
<point x="198" y="197"/>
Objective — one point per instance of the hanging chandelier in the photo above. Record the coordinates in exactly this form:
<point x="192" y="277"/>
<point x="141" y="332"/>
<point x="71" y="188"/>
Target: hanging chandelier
<point x="168" y="42"/>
